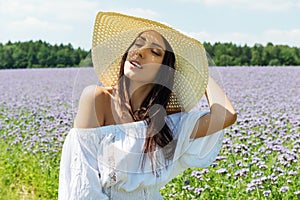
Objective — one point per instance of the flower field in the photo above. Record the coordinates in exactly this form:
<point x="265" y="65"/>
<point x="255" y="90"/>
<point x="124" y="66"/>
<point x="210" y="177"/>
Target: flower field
<point x="260" y="157"/>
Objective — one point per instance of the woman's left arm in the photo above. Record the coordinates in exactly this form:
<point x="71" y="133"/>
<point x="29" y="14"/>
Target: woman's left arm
<point x="221" y="115"/>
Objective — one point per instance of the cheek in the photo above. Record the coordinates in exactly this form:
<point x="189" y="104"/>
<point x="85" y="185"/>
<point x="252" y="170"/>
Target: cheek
<point x="130" y="54"/>
<point x="155" y="59"/>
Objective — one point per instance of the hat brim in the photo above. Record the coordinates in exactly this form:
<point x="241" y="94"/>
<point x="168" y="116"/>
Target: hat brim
<point x="113" y="34"/>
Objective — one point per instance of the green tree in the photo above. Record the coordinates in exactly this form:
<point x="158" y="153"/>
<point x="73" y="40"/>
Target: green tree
<point x="32" y="58"/>
<point x="245" y="55"/>
<point x="225" y="60"/>
<point x="42" y="56"/>
<point x="288" y="56"/>
<point x="6" y="58"/>
<point x="20" y="57"/>
<point x="256" y="55"/>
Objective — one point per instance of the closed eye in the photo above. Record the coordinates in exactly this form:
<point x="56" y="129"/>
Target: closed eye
<point x="139" y="42"/>
<point x="156" y="53"/>
<point x="138" y="45"/>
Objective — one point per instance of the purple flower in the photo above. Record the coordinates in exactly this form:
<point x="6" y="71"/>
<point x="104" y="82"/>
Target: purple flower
<point x="214" y="164"/>
<point x="272" y="177"/>
<point x="221" y="171"/>
<point x="275" y="138"/>
<point x="255" y="160"/>
<point x="198" y="190"/>
<point x="291" y="173"/>
<point x="261" y="149"/>
<point x="230" y="165"/>
<point x="250" y="188"/>
<point x="218" y="158"/>
<point x="266" y="192"/>
<point x="241" y="172"/>
<point x="284" y="189"/>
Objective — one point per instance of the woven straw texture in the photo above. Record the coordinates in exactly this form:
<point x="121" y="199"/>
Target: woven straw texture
<point x="113" y="34"/>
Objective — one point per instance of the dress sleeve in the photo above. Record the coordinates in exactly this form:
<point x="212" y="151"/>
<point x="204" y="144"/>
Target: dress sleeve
<point x="79" y="177"/>
<point x="200" y="152"/>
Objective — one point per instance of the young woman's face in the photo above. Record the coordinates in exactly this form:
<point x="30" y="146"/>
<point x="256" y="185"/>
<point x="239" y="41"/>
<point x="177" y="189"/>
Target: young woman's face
<point x="145" y="57"/>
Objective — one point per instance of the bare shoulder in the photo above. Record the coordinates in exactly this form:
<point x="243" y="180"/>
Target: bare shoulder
<point x="91" y="106"/>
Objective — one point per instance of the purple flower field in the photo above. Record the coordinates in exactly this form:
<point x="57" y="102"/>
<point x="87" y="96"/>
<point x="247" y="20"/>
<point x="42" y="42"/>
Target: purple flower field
<point x="259" y="158"/>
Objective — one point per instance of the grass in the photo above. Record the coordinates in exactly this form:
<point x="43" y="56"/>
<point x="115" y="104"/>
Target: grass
<point x="28" y="175"/>
<point x="24" y="174"/>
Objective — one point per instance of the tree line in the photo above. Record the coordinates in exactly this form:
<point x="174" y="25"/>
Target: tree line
<point x="40" y="54"/>
<point x="229" y="54"/>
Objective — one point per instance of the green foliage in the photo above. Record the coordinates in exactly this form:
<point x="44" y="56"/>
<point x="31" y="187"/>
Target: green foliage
<point x="230" y="185"/>
<point x="39" y="54"/>
<point x="229" y="54"/>
<point x="23" y="174"/>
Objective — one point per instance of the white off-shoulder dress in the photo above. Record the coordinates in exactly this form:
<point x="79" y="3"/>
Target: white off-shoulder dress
<point x="105" y="162"/>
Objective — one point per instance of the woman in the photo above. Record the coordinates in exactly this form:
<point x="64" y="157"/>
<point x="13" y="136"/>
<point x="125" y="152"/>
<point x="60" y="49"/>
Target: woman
<point x="130" y="139"/>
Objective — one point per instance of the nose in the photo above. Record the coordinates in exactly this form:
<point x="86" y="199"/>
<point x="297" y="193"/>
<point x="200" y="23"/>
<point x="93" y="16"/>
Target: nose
<point x="141" y="52"/>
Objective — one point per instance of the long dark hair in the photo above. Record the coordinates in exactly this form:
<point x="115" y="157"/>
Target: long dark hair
<point x="157" y="134"/>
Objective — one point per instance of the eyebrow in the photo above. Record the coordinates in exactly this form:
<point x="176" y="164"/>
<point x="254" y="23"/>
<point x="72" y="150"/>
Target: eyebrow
<point x="153" y="43"/>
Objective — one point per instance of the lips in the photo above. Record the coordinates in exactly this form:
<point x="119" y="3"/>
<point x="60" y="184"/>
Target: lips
<point x="136" y="64"/>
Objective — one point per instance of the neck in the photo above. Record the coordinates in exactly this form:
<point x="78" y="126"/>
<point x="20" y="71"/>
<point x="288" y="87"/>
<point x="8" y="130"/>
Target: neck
<point x="137" y="94"/>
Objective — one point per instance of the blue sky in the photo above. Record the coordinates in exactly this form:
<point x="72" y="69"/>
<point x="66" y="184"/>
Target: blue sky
<point x="71" y="21"/>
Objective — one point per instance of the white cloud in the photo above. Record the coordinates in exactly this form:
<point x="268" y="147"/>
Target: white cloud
<point x="71" y="21"/>
<point x="237" y="38"/>
<point x="263" y="5"/>
<point x="48" y="10"/>
<point x="55" y="21"/>
<point x="291" y="37"/>
<point x="32" y="23"/>
<point x="286" y="37"/>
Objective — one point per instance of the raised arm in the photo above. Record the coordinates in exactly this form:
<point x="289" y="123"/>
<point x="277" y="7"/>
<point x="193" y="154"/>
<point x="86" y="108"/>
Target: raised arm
<point x="222" y="113"/>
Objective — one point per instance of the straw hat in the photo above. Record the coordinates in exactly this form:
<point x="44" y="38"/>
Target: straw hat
<point x="113" y="34"/>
